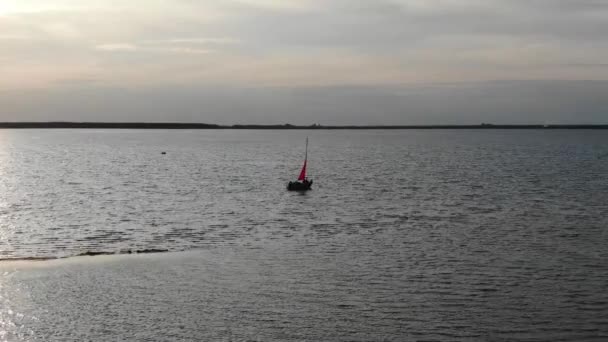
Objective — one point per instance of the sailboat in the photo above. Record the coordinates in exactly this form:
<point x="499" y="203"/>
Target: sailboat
<point x="303" y="183"/>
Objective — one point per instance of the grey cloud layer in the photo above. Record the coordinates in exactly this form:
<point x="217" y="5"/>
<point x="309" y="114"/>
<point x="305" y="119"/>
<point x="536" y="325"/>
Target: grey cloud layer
<point x="138" y="51"/>
<point x="520" y="102"/>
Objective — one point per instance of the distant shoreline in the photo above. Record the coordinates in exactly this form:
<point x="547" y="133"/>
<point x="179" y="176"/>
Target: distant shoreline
<point x="175" y="125"/>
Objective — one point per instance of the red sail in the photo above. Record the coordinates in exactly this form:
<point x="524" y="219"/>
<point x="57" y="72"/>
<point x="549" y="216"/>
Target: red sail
<point x="303" y="172"/>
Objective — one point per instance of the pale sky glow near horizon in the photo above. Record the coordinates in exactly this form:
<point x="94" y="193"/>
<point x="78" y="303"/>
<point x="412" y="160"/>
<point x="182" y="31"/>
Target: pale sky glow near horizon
<point x="327" y="61"/>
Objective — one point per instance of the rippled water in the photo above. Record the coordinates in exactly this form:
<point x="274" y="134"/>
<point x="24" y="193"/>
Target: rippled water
<point x="407" y="235"/>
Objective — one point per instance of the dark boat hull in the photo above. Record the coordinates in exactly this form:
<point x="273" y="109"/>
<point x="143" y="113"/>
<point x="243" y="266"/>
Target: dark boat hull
<point x="299" y="186"/>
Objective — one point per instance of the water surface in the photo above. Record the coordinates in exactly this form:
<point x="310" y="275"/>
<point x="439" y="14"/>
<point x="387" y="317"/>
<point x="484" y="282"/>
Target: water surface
<point x="407" y="235"/>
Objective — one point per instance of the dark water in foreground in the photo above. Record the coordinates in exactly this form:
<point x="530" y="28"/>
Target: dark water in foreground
<point x="407" y="235"/>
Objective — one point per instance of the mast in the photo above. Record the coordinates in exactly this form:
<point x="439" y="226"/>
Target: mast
<point x="306" y="155"/>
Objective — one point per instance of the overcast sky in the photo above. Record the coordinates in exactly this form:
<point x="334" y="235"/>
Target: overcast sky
<point x="332" y="62"/>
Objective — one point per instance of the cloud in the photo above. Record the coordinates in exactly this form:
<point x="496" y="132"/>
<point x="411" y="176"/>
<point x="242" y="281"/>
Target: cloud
<point x="308" y="43"/>
<point x="414" y="40"/>
<point x="158" y="48"/>
<point x="116" y="47"/>
<point x="13" y="36"/>
<point x="520" y="102"/>
<point x="196" y="40"/>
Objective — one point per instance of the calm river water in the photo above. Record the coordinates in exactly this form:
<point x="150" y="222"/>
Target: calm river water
<point x="473" y="235"/>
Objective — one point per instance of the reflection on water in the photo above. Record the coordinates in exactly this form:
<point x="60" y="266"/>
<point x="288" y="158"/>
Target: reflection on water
<point x="13" y="323"/>
<point x="407" y="235"/>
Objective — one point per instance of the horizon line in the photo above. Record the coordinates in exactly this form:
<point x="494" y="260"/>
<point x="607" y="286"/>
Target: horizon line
<point x="185" y="125"/>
